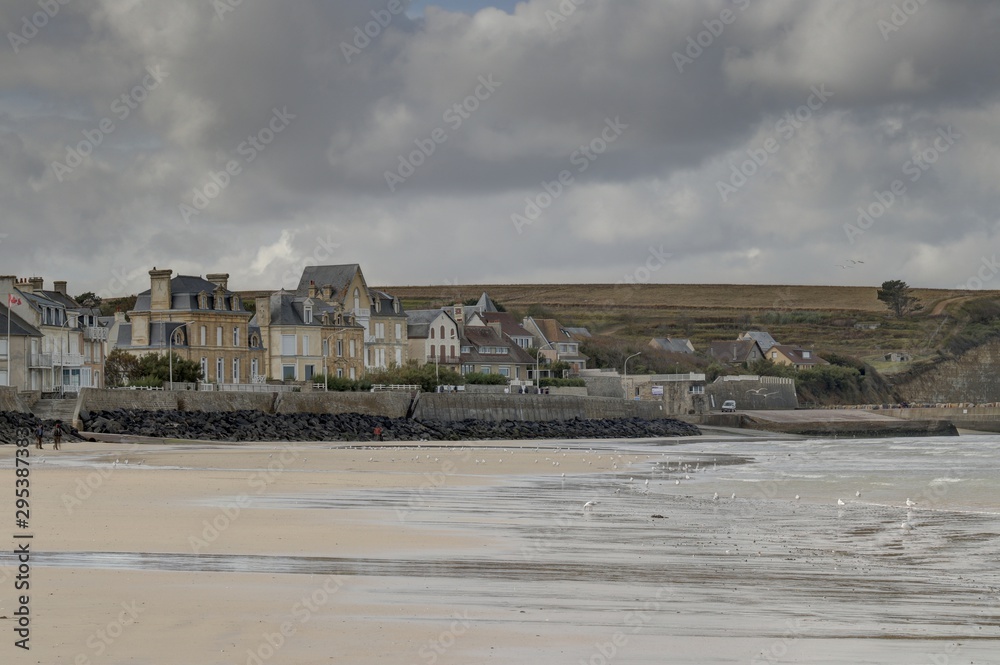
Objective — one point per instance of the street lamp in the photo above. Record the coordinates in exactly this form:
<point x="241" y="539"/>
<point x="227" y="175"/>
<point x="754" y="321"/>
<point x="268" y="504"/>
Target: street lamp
<point x="625" y="378"/>
<point x="170" y="349"/>
<point x="538" y="379"/>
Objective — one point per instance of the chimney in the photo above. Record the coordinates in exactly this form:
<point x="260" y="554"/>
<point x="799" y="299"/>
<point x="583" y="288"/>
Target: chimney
<point x="458" y="313"/>
<point x="60" y="286"/>
<point x="160" y="297"/>
<point x="312" y="289"/>
<point x="263" y="310"/>
<point x="35" y="284"/>
<point x="119" y="316"/>
<point x="219" y="279"/>
<point x="328" y="293"/>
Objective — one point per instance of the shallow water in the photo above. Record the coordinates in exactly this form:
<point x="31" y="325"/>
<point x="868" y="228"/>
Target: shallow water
<point x="801" y="580"/>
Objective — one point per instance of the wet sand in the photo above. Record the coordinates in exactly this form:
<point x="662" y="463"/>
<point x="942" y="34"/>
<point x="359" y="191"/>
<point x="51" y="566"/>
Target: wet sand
<point x="485" y="553"/>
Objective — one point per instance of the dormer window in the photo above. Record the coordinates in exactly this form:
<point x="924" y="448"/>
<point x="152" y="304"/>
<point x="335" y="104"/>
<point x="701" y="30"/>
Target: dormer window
<point x="202" y="300"/>
<point x="235" y="306"/>
<point x="807" y="354"/>
<point x="308" y="314"/>
<point x="357" y="300"/>
<point x="395" y="305"/>
<point x="220" y="301"/>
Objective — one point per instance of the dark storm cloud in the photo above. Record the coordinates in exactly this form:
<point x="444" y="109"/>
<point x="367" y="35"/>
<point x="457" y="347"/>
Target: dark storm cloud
<point x="476" y="116"/>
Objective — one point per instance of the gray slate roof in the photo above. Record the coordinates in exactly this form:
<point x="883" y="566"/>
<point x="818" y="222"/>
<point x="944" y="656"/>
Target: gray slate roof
<point x="762" y="337"/>
<point x="184" y="292"/>
<point x="337" y="277"/>
<point x="673" y="345"/>
<point x="18" y="326"/>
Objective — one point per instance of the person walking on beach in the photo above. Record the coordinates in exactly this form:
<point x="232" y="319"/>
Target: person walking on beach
<point x="378" y="433"/>
<point x="56" y="435"/>
<point x="39" y="433"/>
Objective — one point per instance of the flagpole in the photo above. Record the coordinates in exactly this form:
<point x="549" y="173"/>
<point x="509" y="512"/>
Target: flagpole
<point x="9" y="314"/>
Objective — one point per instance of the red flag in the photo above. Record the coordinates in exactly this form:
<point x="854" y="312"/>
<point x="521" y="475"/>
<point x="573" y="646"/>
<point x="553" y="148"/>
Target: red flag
<point x="13" y="300"/>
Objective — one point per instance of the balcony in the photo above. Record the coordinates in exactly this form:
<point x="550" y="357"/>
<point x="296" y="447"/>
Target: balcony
<point x="67" y="359"/>
<point x="95" y="334"/>
<point x="40" y="361"/>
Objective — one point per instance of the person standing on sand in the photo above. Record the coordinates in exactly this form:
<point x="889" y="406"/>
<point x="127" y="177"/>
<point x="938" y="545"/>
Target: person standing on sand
<point x="378" y="433"/>
<point x="39" y="433"/>
<point x="56" y="435"/>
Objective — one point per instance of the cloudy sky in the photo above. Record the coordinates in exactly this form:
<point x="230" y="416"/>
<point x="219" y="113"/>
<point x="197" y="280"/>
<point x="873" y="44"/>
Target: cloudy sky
<point x="759" y="141"/>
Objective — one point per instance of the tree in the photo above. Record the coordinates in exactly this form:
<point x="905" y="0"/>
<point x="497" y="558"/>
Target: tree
<point x="89" y="295"/>
<point x="895" y="293"/>
<point x="120" y="368"/>
<point x="155" y="367"/>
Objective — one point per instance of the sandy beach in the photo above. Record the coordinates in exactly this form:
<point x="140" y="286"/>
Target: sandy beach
<point x="484" y="552"/>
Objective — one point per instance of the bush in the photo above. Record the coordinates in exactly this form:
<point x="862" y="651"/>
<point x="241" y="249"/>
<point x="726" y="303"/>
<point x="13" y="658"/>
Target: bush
<point x="478" y="379"/>
<point x="428" y="376"/>
<point x="343" y="384"/>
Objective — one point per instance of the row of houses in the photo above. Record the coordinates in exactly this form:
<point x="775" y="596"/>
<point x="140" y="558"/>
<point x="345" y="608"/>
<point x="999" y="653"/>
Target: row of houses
<point x="333" y="323"/>
<point x="748" y="347"/>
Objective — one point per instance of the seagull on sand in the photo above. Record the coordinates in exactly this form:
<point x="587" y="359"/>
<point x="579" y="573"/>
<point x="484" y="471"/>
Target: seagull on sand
<point x="589" y="505"/>
<point x="858" y="493"/>
<point x="910" y="504"/>
<point x="796" y="497"/>
<point x="840" y="502"/>
<point x="906" y="526"/>
<point x="715" y="497"/>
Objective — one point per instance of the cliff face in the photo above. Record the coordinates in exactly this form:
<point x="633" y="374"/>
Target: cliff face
<point x="972" y="377"/>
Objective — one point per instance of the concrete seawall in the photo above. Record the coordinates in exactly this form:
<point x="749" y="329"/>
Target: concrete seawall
<point x="9" y="400"/>
<point x="433" y="406"/>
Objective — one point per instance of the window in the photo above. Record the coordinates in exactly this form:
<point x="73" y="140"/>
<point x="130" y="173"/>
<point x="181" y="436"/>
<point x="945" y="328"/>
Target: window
<point x="204" y="336"/>
<point x="326" y="347"/>
<point x="340" y="348"/>
<point x="807" y="354"/>
<point x="441" y="349"/>
<point x="288" y="372"/>
<point x="697" y="390"/>
<point x="452" y="350"/>
<point x="453" y="333"/>
<point x="236" y="336"/>
<point x="308" y="314"/>
<point x="305" y="345"/>
<point x="340" y="373"/>
<point x="254" y="369"/>
<point x="485" y="369"/>
<point x="351" y="371"/>
<point x="467" y="369"/>
<point x="288" y="345"/>
<point x="218" y="336"/>
<point x="379" y="331"/>
<point x="204" y="368"/>
<point x="352" y="347"/>
<point x="442" y="332"/>
<point x="236" y="370"/>
<point x="310" y="370"/>
<point x="357" y="300"/>
<point x="432" y="333"/>
<point x="220" y="375"/>
<point x="399" y="357"/>
<point x="774" y="355"/>
<point x="3" y="349"/>
<point x="432" y="351"/>
<point x="505" y="371"/>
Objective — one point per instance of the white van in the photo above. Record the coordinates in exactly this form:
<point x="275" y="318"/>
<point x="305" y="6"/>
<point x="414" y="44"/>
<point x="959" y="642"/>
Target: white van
<point x="729" y="406"/>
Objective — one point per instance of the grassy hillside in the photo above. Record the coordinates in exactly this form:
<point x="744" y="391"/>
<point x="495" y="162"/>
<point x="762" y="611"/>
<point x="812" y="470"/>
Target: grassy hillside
<point x="822" y="317"/>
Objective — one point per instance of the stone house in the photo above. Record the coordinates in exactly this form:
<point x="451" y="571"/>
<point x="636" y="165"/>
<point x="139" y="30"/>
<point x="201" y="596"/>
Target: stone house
<point x="740" y="352"/>
<point x="15" y="351"/>
<point x="434" y="337"/>
<point x="304" y="336"/>
<point x="556" y="343"/>
<point x="380" y="315"/>
<point x="785" y="354"/>
<point x="680" y="394"/>
<point x="201" y="320"/>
